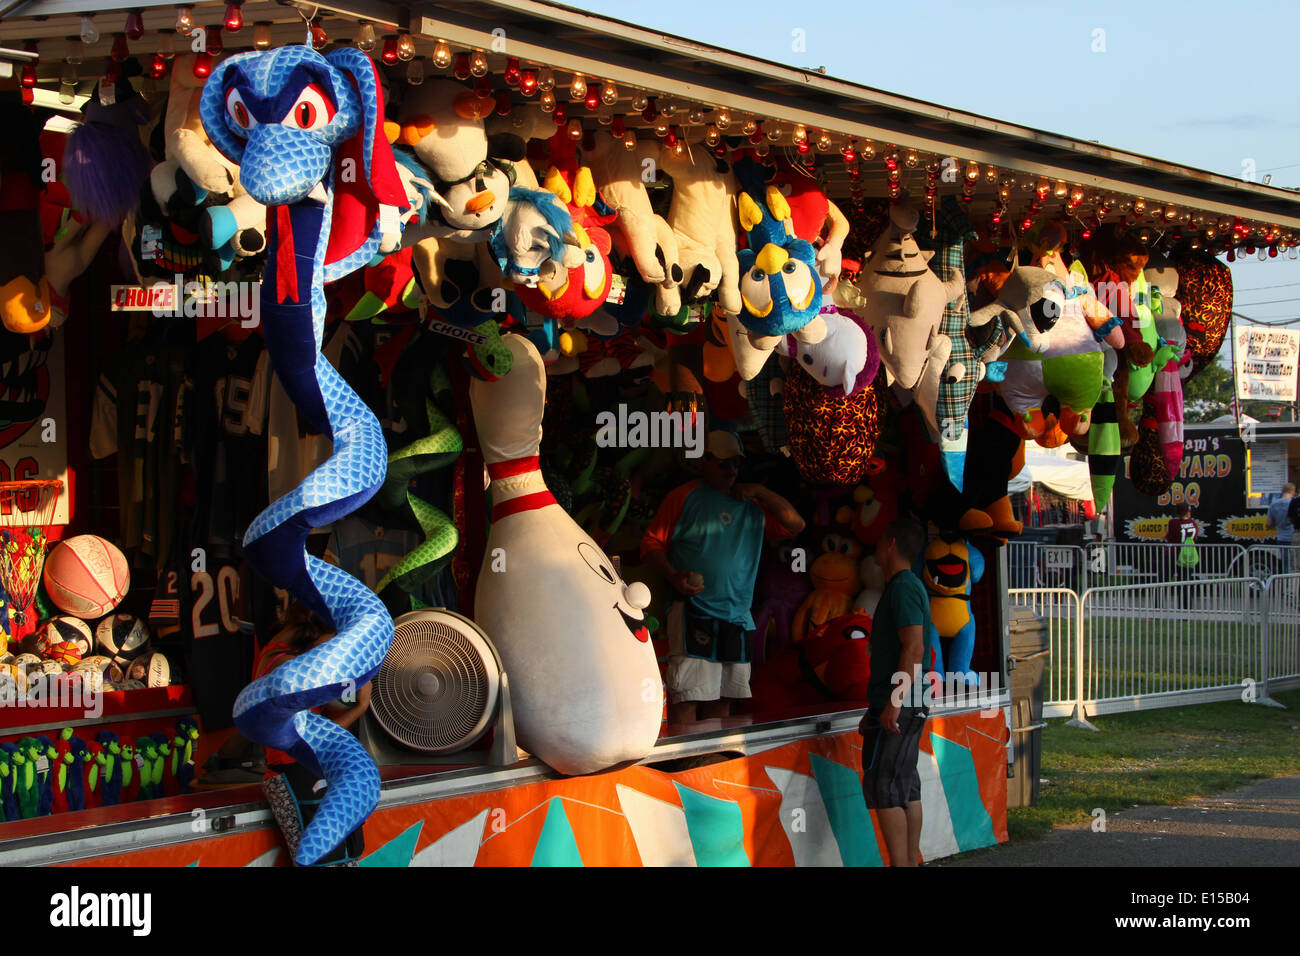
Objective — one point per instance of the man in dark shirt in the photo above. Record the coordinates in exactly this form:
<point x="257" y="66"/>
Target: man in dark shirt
<point x="891" y="729"/>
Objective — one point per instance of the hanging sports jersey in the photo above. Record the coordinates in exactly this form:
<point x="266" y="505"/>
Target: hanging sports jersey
<point x="220" y="621"/>
<point x="139" y="414"/>
<point x="293" y="449"/>
<point x="366" y="550"/>
<point x="230" y="448"/>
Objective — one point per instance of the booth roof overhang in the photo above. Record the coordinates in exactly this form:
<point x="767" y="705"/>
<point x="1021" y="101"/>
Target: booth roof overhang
<point x="641" y="59"/>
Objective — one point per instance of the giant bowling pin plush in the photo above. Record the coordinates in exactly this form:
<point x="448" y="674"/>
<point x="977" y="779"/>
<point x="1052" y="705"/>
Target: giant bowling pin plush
<point x="584" y="682"/>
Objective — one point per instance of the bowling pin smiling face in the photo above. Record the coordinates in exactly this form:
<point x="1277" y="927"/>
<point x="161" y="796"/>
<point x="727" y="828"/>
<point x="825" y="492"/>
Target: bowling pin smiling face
<point x="584" y="682"/>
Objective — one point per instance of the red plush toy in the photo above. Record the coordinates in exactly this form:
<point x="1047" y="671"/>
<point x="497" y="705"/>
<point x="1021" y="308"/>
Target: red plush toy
<point x="834" y="663"/>
<point x="571" y="294"/>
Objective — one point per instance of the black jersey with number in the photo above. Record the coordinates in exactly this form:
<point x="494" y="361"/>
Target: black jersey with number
<point x="231" y="385"/>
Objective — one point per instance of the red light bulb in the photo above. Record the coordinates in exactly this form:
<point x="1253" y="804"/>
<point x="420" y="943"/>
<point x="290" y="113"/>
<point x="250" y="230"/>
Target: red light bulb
<point x="651" y="112"/>
<point x="503" y="103"/>
<point x="202" y="68"/>
<point x="850" y="154"/>
<point x="158" y="66"/>
<point x="134" y="25"/>
<point x="389" y="55"/>
<point x="213" y="40"/>
<point x="671" y="139"/>
<point x="319" y="38"/>
<point x="234" y="19"/>
<point x="460" y="70"/>
<point x="802" y="146"/>
<point x="561" y="115"/>
<point x="29" y="76"/>
<point x="617" y="128"/>
<point x="527" y="82"/>
<point x="756" y="137"/>
<point x="120" y="49"/>
<point x="513" y="74"/>
<point x="483" y="87"/>
<point x="592" y="100"/>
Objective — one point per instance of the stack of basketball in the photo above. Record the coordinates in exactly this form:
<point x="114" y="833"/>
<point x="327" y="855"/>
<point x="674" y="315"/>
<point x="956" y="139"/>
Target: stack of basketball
<point x="87" y="577"/>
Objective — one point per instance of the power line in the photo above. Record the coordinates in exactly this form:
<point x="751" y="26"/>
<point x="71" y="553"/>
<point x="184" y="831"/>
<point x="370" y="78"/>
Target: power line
<point x="1265" y="288"/>
<point x="1246" y="305"/>
<point x="1238" y="315"/>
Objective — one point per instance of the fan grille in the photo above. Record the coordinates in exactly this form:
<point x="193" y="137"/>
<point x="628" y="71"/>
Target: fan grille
<point x="437" y="688"/>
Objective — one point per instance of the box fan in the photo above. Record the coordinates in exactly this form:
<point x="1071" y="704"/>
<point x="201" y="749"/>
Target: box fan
<point x="439" y="691"/>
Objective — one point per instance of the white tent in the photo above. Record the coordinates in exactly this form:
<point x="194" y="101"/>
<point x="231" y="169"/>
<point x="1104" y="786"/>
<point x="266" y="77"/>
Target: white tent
<point x="1051" y="468"/>
<point x="1230" y="420"/>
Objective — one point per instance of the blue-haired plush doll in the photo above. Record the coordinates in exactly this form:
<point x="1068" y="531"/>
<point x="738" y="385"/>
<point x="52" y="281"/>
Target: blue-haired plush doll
<point x="779" y="286"/>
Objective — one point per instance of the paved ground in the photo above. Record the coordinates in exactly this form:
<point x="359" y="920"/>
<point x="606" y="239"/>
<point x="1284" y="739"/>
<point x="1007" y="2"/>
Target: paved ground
<point x="1258" y="825"/>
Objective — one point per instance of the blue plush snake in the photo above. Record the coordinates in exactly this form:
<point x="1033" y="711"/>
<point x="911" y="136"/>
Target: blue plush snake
<point x="307" y="132"/>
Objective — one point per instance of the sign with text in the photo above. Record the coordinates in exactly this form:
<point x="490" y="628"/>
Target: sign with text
<point x="1212" y="480"/>
<point x="1266" y="364"/>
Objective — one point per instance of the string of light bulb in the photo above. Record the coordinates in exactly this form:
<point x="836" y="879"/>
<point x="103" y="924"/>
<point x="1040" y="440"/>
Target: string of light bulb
<point x="676" y="123"/>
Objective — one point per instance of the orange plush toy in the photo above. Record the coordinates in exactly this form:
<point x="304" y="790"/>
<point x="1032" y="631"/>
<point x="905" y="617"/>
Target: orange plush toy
<point x="835" y="583"/>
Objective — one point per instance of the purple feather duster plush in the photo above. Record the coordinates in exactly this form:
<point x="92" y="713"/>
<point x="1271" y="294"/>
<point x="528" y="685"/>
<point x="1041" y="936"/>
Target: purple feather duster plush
<point x="105" y="163"/>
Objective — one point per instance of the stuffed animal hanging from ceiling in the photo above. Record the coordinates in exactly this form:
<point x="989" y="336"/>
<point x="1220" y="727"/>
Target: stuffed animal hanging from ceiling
<point x="780" y="288"/>
<point x="441" y="121"/>
<point x="813" y="217"/>
<point x="307" y="132"/>
<point x="948" y="383"/>
<point x="577" y="291"/>
<point x="1164" y="402"/>
<point x="703" y="218"/>
<point x="639" y="232"/>
<point x="905" y="301"/>
<point x="1206" y="296"/>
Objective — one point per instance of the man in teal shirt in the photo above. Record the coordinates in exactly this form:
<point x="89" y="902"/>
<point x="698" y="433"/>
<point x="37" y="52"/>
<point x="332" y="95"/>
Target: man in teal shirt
<point x="706" y="540"/>
<point x="891" y="728"/>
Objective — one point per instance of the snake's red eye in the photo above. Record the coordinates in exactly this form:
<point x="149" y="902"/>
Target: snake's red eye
<point x="238" y="111"/>
<point x="312" y="110"/>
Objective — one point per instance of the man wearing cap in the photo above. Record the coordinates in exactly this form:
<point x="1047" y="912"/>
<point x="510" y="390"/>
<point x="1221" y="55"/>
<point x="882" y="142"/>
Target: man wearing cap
<point x="706" y="540"/>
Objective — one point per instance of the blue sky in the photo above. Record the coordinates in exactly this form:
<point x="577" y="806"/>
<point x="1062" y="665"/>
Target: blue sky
<point x="1187" y="82"/>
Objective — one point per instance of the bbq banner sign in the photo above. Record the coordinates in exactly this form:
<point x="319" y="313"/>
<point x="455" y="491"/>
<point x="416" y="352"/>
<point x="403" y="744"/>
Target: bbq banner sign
<point x="1212" y="480"/>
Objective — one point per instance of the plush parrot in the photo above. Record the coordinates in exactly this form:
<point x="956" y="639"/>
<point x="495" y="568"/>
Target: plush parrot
<point x="9" y="769"/>
<point x="27" y="785"/>
<point x="62" y="769"/>
<point x="75" y="789"/>
<point x="147" y="748"/>
<point x="113" y="766"/>
<point x="183" y="744"/>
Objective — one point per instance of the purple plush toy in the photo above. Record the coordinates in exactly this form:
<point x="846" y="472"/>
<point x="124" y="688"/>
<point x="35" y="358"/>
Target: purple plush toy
<point x="781" y="589"/>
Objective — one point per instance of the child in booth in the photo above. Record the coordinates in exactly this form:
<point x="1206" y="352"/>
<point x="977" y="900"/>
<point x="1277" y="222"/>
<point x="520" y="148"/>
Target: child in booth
<point x="293" y="791"/>
<point x="1181" y="532"/>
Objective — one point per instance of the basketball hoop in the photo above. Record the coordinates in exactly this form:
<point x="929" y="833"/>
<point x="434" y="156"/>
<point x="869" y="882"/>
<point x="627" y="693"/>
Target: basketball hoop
<point x="26" y="512"/>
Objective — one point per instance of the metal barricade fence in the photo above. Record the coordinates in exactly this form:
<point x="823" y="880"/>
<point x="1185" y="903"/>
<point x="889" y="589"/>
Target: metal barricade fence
<point x="1267" y="560"/>
<point x="1112" y="563"/>
<point x="1038" y="564"/>
<point x="1163" y="645"/>
<point x="1280" y="654"/>
<point x="1059" y="607"/>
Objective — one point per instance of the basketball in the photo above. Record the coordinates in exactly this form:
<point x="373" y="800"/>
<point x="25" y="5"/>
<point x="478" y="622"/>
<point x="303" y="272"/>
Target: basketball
<point x="122" y="637"/>
<point x="64" y="629"/>
<point x="66" y="653"/>
<point x="86" y="576"/>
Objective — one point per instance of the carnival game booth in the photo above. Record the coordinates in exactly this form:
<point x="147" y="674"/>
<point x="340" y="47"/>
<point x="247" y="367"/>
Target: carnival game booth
<point x="420" y="316"/>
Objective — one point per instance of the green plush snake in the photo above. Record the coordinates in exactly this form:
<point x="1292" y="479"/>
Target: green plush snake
<point x="439" y="446"/>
